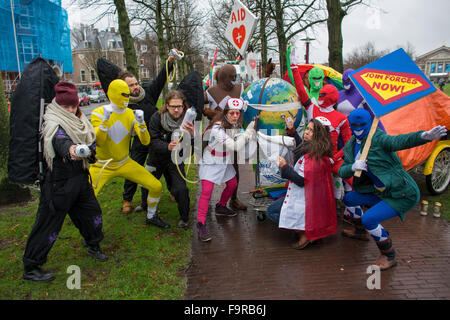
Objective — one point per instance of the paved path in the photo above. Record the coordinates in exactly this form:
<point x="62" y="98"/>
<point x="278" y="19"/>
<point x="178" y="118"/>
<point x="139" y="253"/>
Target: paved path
<point x="248" y="259"/>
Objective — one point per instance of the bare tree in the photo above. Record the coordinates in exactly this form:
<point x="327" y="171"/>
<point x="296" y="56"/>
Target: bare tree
<point x="363" y="55"/>
<point x="293" y="17"/>
<point x="337" y="10"/>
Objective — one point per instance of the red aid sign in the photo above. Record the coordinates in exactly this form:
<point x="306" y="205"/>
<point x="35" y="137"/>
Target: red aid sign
<point x="240" y="27"/>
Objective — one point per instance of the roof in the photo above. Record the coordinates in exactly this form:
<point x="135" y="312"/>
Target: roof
<point x="434" y="52"/>
<point x="105" y="39"/>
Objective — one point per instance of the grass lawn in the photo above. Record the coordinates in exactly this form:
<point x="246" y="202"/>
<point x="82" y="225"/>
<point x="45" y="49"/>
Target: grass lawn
<point x="144" y="262"/>
<point x="446" y="88"/>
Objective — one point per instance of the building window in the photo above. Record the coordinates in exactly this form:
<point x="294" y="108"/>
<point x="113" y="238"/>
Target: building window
<point x="145" y="73"/>
<point x="83" y="75"/>
<point x="111" y="44"/>
<point x="27" y="50"/>
<point x="92" y="75"/>
<point x="447" y="67"/>
<point x="24" y="17"/>
<point x="440" y="66"/>
<point x="433" y="68"/>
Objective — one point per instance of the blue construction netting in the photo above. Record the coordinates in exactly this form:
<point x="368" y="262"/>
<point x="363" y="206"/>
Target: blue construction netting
<point x="42" y="30"/>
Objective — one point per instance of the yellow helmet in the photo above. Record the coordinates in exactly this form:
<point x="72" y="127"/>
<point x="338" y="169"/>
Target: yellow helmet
<point x="119" y="93"/>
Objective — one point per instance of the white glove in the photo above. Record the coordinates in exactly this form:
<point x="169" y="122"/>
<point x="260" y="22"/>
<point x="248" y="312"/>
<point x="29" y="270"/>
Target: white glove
<point x="250" y="132"/>
<point x="293" y="57"/>
<point x="435" y="133"/>
<point x="359" y="165"/>
<point x="107" y="110"/>
<point x="139" y="115"/>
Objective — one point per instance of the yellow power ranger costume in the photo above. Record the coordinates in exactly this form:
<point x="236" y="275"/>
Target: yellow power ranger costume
<point x="114" y="125"/>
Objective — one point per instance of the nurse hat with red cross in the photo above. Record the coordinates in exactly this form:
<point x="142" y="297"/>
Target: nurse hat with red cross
<point x="235" y="104"/>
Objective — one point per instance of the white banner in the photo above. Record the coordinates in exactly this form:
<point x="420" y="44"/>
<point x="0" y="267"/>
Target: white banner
<point x="240" y="27"/>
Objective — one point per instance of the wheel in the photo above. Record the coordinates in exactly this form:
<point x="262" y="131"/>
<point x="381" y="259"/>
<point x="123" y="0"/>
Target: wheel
<point x="439" y="178"/>
<point x="261" y="216"/>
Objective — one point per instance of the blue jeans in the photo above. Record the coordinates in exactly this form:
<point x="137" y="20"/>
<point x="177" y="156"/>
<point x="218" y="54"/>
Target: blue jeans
<point x="273" y="211"/>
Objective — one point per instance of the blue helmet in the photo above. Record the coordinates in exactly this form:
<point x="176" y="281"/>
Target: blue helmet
<point x="360" y="122"/>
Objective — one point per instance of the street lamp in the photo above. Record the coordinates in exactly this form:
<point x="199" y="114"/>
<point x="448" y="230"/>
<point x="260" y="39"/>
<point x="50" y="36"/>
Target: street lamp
<point x="307" y="40"/>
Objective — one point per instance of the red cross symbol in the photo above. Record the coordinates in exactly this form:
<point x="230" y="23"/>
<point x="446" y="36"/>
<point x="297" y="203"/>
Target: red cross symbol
<point x="235" y="103"/>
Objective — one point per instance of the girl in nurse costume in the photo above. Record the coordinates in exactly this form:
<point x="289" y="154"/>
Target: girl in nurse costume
<point x="309" y="207"/>
<point x="216" y="166"/>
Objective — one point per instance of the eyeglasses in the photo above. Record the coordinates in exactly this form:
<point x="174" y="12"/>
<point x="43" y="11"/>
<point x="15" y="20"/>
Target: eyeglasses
<point x="176" y="107"/>
<point x="126" y="95"/>
<point x="234" y="113"/>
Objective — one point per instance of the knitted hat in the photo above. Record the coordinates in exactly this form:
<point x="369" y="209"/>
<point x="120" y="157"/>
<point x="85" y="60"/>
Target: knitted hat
<point x="66" y="94"/>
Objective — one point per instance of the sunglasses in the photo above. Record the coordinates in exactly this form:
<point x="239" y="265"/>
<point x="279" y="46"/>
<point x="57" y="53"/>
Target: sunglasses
<point x="234" y="113"/>
<point x="126" y="95"/>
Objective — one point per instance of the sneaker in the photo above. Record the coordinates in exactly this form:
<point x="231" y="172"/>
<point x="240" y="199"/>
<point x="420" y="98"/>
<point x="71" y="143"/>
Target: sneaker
<point x="203" y="233"/>
<point x="236" y="204"/>
<point x="36" y="274"/>
<point x="183" y="225"/>
<point x="127" y="207"/>
<point x="97" y="253"/>
<point x="156" y="221"/>
<point x="224" y="211"/>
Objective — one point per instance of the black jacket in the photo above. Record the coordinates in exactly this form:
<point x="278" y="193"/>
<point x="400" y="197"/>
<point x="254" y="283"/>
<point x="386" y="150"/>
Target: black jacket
<point x="63" y="166"/>
<point x="160" y="138"/>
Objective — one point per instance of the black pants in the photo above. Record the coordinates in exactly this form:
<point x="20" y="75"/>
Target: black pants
<point x="74" y="196"/>
<point x="176" y="185"/>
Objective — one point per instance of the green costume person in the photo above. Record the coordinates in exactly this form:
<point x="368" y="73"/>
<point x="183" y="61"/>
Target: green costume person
<point x="316" y="76"/>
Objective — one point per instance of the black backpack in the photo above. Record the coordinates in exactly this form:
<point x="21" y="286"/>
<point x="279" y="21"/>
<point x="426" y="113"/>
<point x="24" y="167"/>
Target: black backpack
<point x="34" y="90"/>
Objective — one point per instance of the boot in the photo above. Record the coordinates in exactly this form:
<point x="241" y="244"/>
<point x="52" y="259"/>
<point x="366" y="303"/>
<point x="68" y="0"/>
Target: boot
<point x="224" y="211"/>
<point x="96" y="253"/>
<point x="236" y="204"/>
<point x="357" y="232"/>
<point x="127" y="207"/>
<point x="386" y="260"/>
<point x="203" y="233"/>
<point x="36" y="274"/>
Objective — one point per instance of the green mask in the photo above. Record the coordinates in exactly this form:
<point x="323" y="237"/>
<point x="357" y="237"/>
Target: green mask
<point x="316" y="76"/>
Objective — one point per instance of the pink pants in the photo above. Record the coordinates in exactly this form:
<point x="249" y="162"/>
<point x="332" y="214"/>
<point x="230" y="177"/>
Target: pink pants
<point x="205" y="197"/>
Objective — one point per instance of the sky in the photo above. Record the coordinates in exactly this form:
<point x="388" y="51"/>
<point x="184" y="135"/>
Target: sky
<point x="387" y="23"/>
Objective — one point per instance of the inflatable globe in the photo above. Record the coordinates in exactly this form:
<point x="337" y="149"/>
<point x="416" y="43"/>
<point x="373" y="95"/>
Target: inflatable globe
<point x="276" y="91"/>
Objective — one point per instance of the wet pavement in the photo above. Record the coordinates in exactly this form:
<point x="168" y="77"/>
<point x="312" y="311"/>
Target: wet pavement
<point x="250" y="259"/>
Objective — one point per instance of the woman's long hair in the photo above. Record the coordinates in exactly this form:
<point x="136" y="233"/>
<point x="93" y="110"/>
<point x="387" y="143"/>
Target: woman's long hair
<point x="320" y="145"/>
<point x="221" y="117"/>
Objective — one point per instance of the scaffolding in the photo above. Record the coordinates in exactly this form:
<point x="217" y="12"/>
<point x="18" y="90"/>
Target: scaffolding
<point x="31" y="29"/>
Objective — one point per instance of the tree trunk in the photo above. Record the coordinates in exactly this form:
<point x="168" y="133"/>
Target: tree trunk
<point x="127" y="39"/>
<point x="334" y="24"/>
<point x="262" y="28"/>
<point x="281" y="35"/>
